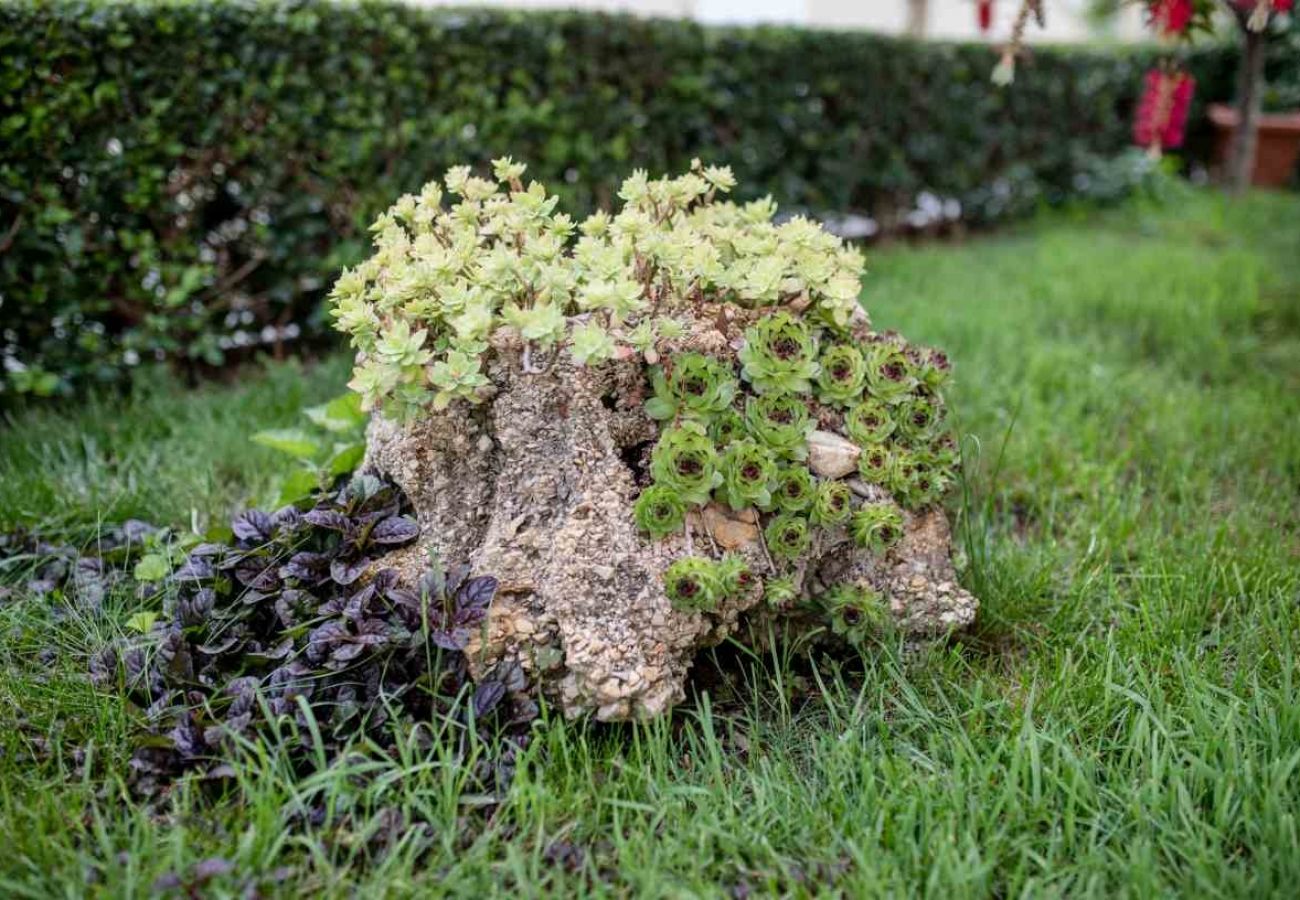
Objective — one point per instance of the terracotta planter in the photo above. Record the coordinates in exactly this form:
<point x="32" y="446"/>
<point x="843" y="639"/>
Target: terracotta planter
<point x="1277" y="150"/>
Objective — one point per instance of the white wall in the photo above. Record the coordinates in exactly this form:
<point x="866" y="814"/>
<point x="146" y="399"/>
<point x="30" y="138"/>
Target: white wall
<point x="948" y="19"/>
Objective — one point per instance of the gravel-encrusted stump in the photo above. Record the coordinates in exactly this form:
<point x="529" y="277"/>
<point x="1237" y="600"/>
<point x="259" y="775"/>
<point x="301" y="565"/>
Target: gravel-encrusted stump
<point x="537" y="486"/>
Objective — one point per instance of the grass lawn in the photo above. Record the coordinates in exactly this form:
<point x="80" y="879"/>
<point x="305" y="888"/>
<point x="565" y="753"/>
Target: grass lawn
<point x="1124" y="719"/>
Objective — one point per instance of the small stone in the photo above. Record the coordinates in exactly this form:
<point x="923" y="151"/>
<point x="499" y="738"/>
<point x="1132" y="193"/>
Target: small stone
<point x="730" y="532"/>
<point x="831" y="456"/>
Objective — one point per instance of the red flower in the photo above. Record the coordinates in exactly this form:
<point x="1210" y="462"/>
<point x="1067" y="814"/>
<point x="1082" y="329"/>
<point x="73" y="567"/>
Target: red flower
<point x="1162" y="111"/>
<point x="1283" y="5"/>
<point x="1173" y="16"/>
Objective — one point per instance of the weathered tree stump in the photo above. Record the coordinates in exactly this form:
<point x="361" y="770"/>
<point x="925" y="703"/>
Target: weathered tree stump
<point x="537" y="487"/>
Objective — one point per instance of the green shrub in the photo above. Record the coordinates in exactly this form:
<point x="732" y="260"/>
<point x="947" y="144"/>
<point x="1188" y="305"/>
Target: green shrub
<point x="177" y="181"/>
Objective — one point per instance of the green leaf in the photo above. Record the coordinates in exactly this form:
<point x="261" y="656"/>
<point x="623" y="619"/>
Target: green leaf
<point x="346" y="458"/>
<point x="142" y="621"/>
<point x="293" y="441"/>
<point x="152" y="567"/>
<point x="343" y="413"/>
<point x="299" y="484"/>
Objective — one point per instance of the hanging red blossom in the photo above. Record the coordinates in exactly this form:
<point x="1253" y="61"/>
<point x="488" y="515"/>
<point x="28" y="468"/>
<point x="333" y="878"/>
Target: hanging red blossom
<point x="1162" y="112"/>
<point x="1171" y="16"/>
<point x="984" y="14"/>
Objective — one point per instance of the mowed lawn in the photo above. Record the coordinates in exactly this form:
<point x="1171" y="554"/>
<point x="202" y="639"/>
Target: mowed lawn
<point x="1124" y="719"/>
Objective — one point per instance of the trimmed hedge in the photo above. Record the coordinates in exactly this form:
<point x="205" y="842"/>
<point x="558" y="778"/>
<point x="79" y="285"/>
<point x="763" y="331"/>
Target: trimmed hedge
<point x="182" y="181"/>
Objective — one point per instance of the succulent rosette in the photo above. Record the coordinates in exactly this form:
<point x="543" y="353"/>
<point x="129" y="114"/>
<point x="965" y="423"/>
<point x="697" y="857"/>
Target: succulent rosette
<point x="874" y="465"/>
<point x="932" y="368"/>
<point x="727" y="427"/>
<point x="832" y="504"/>
<point x="748" y="470"/>
<point x="659" y="511"/>
<point x="735" y="575"/>
<point x="693" y="583"/>
<point x="685" y="461"/>
<point x="889" y="373"/>
<point x="780" y="422"/>
<point x="843" y="375"/>
<point x="918" y="419"/>
<point x="691" y="385"/>
<point x="876" y="525"/>
<point x="795" y="490"/>
<point x="779" y="355"/>
<point x="856" y="612"/>
<point x="869" y="422"/>
<point x="779" y="591"/>
<point x="788" y="536"/>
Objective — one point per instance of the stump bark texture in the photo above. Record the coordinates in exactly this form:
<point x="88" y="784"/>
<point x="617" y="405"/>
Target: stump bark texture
<point x="536" y="486"/>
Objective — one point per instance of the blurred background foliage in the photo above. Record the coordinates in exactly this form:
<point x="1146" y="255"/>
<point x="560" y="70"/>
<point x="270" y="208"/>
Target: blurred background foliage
<point x="182" y="181"/>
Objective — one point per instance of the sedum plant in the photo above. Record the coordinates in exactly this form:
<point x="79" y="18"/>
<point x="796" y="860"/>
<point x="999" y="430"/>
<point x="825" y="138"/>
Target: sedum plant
<point x="469" y="256"/>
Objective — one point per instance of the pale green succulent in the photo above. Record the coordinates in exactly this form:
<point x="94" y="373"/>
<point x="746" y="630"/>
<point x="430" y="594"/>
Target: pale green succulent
<point x="590" y="343"/>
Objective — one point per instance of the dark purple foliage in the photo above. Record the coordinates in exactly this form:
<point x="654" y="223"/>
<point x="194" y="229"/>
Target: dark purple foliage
<point x="295" y="611"/>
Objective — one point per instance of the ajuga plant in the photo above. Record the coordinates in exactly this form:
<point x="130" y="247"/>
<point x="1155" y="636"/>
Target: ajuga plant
<point x="476" y="271"/>
<point x="290" y="618"/>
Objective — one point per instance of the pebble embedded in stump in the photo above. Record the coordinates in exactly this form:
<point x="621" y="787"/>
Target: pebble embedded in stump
<point x="648" y="427"/>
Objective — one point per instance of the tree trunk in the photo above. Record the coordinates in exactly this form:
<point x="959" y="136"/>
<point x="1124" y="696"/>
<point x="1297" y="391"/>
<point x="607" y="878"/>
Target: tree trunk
<point x="1250" y="85"/>
<point x="918" y="18"/>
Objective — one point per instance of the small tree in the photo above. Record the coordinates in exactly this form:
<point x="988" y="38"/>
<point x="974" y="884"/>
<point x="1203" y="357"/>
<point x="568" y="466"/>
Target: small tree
<point x="1162" y="112"/>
